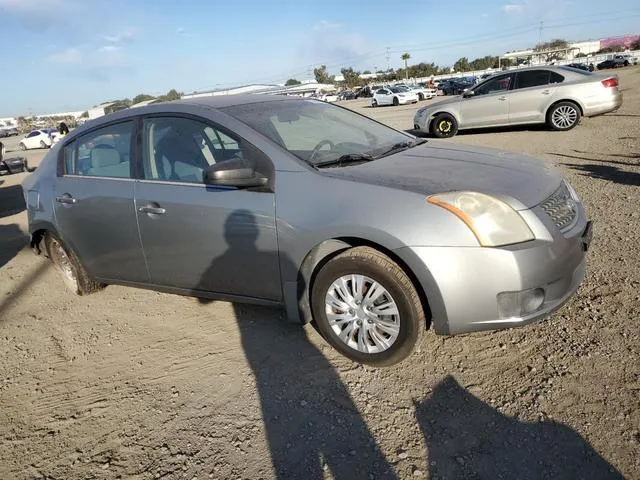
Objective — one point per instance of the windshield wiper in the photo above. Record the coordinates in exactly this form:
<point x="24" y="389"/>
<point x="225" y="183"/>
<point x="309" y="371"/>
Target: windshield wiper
<point x="397" y="147"/>
<point x="346" y="159"/>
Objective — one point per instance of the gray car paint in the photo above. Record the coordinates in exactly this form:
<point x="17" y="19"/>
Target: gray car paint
<point x="309" y="215"/>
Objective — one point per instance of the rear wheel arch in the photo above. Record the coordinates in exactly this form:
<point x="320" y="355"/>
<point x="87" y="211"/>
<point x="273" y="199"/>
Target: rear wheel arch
<point x="570" y="100"/>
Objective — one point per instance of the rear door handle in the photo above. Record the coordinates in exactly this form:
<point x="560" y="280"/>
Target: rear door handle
<point x="66" y="199"/>
<point x="546" y="92"/>
<point x="152" y="209"/>
<point x="502" y="99"/>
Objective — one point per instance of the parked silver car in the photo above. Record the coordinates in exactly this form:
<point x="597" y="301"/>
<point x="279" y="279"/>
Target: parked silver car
<point x="364" y="229"/>
<point x="557" y="96"/>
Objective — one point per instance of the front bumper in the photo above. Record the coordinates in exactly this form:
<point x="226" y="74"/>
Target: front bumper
<point x="462" y="284"/>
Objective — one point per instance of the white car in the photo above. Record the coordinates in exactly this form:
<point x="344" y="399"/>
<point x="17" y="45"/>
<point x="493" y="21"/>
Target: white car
<point x="37" y="139"/>
<point x="328" y="97"/>
<point x="424" y="92"/>
<point x="393" y="96"/>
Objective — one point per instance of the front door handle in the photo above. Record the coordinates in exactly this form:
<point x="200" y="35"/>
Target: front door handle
<point x="151" y="209"/>
<point x="546" y="92"/>
<point x="66" y="198"/>
<point x="502" y="99"/>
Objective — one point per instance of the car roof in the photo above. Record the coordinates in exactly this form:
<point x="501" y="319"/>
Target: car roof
<point x="211" y="101"/>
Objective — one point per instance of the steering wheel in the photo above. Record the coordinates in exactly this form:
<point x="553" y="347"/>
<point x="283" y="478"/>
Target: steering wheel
<point x="317" y="148"/>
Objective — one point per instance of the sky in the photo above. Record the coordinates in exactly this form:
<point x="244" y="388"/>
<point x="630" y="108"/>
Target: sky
<point x="67" y="55"/>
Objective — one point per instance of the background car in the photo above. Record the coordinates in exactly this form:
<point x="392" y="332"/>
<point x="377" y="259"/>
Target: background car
<point x="366" y="230"/>
<point x="622" y="60"/>
<point x="557" y="96"/>
<point x="37" y="139"/>
<point x="393" y="96"/>
<point x="607" y="64"/>
<point x="580" y="66"/>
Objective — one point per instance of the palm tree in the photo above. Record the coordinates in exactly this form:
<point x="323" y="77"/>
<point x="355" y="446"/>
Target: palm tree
<point x="406" y="57"/>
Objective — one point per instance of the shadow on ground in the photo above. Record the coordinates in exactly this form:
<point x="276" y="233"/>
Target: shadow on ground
<point x="312" y="424"/>
<point x="468" y="439"/>
<point x="607" y="172"/>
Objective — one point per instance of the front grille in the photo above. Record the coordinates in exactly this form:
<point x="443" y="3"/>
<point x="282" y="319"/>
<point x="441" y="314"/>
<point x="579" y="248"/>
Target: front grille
<point x="561" y="207"/>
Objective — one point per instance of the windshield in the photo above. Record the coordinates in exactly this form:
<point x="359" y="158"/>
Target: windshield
<point x="317" y="132"/>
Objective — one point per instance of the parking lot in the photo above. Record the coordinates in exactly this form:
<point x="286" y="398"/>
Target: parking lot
<point x="131" y="383"/>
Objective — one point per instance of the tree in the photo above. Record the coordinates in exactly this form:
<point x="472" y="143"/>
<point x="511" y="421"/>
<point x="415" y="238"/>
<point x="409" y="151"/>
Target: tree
<point x="635" y="45"/>
<point x="461" y="65"/>
<point x="142" y="97"/>
<point x="555" y="44"/>
<point x="292" y="81"/>
<point x="351" y="77"/>
<point x="406" y="57"/>
<point x="612" y="49"/>
<point x="322" y="75"/>
<point x="84" y="114"/>
<point x="367" y="72"/>
<point x="171" y="95"/>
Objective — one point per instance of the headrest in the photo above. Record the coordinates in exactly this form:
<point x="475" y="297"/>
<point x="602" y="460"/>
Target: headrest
<point x="104" y="157"/>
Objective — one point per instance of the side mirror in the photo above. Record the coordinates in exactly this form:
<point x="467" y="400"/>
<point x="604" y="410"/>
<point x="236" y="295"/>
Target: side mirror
<point x="233" y="173"/>
<point x="468" y="93"/>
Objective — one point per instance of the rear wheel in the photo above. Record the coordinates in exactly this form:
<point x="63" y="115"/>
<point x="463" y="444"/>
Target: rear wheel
<point x="444" y="126"/>
<point x="367" y="308"/>
<point x="374" y="103"/>
<point x="74" y="275"/>
<point x="420" y="96"/>
<point x="396" y="102"/>
<point x="22" y="146"/>
<point x="563" y="116"/>
<point x="42" y="144"/>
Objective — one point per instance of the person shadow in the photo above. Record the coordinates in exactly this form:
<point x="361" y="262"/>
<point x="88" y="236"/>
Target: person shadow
<point x="312" y="424"/>
<point x="466" y="438"/>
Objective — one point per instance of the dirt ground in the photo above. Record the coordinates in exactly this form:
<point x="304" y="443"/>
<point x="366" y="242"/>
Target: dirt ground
<point x="135" y="384"/>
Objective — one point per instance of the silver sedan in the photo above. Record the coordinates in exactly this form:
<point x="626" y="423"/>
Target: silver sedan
<point x="557" y="96"/>
<point x="369" y="232"/>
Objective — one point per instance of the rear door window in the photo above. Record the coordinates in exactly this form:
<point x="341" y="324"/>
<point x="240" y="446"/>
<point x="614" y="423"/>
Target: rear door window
<point x="532" y="78"/>
<point x="105" y="152"/>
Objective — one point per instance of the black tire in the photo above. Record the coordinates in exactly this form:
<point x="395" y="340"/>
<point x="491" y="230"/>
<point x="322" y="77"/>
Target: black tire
<point x="571" y="109"/>
<point x="444" y="125"/>
<point x="42" y="144"/>
<point x="377" y="266"/>
<point x="420" y="96"/>
<point x="22" y="146"/>
<point x="396" y="102"/>
<point x="66" y="262"/>
<point x="374" y="103"/>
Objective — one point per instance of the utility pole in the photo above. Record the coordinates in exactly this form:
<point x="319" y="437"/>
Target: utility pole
<point x="540" y="32"/>
<point x="388" y="59"/>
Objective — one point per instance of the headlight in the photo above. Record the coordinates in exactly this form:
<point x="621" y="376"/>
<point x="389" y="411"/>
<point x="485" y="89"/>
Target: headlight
<point x="493" y="222"/>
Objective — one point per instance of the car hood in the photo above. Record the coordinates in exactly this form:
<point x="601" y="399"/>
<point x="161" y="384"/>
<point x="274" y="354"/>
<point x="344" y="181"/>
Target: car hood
<point x="523" y="182"/>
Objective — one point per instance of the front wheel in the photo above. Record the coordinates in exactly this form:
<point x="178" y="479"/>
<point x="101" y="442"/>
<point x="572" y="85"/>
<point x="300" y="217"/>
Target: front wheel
<point x="563" y="116"/>
<point x="42" y="144"/>
<point x="22" y="146"/>
<point x="420" y="96"/>
<point x="444" y="126"/>
<point x="74" y="275"/>
<point x="367" y="308"/>
<point x="374" y="103"/>
<point x="396" y="102"/>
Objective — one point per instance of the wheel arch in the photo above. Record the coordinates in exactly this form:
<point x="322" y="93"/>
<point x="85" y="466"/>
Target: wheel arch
<point x="319" y="255"/>
<point x="433" y="115"/>
<point x="570" y="100"/>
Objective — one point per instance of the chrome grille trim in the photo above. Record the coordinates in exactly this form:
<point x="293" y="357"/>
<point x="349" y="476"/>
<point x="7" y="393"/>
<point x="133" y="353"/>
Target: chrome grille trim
<point x="562" y="208"/>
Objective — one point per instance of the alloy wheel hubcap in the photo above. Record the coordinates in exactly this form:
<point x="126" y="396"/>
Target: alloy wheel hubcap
<point x="445" y="126"/>
<point x="564" y="116"/>
<point x="362" y="313"/>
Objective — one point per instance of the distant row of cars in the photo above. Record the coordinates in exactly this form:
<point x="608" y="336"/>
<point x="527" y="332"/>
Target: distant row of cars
<point x="42" y="138"/>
